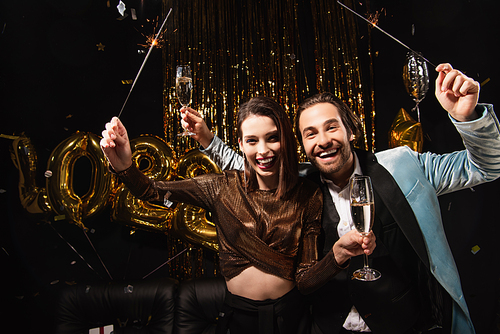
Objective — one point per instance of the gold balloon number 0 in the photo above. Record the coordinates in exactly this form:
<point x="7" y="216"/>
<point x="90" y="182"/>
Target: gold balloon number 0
<point x="60" y="191"/>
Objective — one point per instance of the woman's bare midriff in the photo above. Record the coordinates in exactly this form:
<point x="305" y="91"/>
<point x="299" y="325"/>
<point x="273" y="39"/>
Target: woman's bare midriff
<point x="255" y="284"/>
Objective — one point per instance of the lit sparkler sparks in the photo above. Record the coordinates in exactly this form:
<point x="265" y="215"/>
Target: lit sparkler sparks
<point x="373" y="23"/>
<point x="153" y="43"/>
<point x="373" y="17"/>
<point x="153" y="39"/>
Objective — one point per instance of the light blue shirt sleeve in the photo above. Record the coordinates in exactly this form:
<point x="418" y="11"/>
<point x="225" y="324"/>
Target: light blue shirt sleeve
<point x="223" y="156"/>
<point x="478" y="163"/>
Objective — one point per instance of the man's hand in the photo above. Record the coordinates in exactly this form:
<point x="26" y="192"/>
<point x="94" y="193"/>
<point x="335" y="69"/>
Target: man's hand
<point x="192" y="121"/>
<point x="116" y="146"/>
<point x="353" y="244"/>
<point x="457" y="93"/>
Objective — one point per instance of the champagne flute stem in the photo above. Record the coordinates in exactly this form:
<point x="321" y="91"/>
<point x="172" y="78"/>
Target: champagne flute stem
<point x="365" y="260"/>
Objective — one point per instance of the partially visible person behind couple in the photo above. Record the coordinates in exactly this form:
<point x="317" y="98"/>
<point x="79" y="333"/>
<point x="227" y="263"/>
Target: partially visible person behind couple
<point x="419" y="290"/>
<point x="268" y="220"/>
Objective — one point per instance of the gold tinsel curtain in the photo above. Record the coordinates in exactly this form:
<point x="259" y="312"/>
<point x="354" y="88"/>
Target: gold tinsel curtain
<point x="238" y="49"/>
<point x="286" y="49"/>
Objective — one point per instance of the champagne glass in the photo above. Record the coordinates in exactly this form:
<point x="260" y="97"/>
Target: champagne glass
<point x="184" y="89"/>
<point x="363" y="215"/>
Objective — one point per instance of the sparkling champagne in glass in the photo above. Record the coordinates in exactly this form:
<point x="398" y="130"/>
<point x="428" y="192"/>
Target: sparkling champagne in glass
<point x="184" y="89"/>
<point x="363" y="215"/>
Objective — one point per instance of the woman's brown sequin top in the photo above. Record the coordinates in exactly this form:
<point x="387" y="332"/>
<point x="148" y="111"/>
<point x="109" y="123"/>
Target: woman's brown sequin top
<point x="257" y="229"/>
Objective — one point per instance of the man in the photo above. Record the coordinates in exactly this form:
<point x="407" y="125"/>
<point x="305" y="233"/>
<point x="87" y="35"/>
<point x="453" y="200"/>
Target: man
<point x="419" y="290"/>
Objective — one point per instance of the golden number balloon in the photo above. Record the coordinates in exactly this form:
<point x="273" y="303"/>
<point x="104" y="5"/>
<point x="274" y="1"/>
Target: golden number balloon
<point x="61" y="194"/>
<point x="191" y="222"/>
<point x="152" y="155"/>
<point x="195" y="163"/>
<point x="33" y="198"/>
<point x="156" y="159"/>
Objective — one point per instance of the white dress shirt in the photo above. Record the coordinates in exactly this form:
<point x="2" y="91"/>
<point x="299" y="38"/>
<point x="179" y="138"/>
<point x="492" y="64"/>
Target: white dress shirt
<point x="341" y="199"/>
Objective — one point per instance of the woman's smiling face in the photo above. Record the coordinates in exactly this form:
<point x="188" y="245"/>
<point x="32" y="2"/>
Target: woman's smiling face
<point x="260" y="143"/>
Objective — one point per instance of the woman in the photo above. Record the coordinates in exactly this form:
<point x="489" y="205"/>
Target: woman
<point x="267" y="220"/>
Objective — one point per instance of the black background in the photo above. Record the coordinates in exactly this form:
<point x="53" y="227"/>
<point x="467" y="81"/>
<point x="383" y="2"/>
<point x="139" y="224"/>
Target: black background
<point x="54" y="81"/>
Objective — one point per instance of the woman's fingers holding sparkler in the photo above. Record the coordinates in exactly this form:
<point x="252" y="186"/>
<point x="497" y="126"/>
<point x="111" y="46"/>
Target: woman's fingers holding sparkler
<point x="115" y="145"/>
<point x="457" y="93"/>
<point x="193" y="121"/>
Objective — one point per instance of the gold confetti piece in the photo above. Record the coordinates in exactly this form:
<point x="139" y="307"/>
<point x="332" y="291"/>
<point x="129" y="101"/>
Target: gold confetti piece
<point x="8" y="136"/>
<point x="475" y="249"/>
<point x="100" y="47"/>
<point x="127" y="82"/>
<point x="60" y="217"/>
<point x="485" y="82"/>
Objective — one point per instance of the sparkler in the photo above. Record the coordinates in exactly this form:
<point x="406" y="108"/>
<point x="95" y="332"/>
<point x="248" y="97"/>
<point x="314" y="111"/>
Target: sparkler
<point x="153" y="43"/>
<point x="184" y="250"/>
<point x="383" y="31"/>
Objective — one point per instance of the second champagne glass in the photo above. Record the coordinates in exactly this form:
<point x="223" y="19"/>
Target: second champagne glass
<point x="184" y="89"/>
<point x="363" y="215"/>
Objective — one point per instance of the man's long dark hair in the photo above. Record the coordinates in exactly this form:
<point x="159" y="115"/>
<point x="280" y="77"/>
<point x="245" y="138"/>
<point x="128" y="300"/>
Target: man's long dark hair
<point x="288" y="159"/>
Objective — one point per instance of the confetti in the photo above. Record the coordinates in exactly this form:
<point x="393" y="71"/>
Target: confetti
<point x="8" y="136"/>
<point x="475" y="249"/>
<point x="48" y="173"/>
<point x="133" y="13"/>
<point x="100" y="47"/>
<point x="3" y="191"/>
<point x="121" y="8"/>
<point x="60" y="217"/>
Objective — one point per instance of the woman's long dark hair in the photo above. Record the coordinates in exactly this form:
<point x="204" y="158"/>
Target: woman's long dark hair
<point x="288" y="160"/>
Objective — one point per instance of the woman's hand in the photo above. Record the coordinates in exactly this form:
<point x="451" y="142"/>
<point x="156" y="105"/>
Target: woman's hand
<point x="193" y="122"/>
<point x="116" y="146"/>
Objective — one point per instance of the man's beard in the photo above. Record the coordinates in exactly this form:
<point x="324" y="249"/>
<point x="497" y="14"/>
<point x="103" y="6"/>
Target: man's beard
<point x="334" y="166"/>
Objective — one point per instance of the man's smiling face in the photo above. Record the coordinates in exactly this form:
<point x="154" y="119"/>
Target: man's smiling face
<point x="326" y="141"/>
